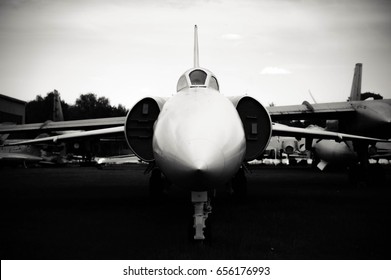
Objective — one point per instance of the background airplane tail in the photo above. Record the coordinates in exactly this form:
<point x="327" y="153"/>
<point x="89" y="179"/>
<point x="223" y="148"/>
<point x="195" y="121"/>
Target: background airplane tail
<point x="57" y="109"/>
<point x="355" y="94"/>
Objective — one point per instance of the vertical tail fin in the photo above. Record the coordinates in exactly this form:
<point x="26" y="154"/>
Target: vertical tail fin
<point x="57" y="109"/>
<point x="355" y="94"/>
<point x="196" y="56"/>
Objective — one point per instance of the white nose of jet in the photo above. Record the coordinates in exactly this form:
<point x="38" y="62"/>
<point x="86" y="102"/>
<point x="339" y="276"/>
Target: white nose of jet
<point x="200" y="146"/>
<point x="196" y="164"/>
<point x="200" y="163"/>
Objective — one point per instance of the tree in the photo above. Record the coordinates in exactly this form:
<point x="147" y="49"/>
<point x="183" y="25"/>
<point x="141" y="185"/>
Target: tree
<point x="41" y="109"/>
<point x="87" y="106"/>
<point x="121" y="110"/>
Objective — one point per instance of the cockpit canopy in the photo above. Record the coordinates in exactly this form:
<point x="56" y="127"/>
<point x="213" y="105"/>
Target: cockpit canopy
<point x="197" y="78"/>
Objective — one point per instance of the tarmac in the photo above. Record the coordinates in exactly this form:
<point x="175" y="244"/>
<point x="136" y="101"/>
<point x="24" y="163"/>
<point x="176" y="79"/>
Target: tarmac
<point x="289" y="213"/>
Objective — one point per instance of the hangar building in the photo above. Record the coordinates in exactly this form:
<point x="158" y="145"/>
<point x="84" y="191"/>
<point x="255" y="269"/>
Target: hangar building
<point x="12" y="110"/>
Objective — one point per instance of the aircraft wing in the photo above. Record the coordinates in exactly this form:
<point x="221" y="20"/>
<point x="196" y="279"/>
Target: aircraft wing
<point x="278" y="130"/>
<point x="64" y="125"/>
<point x="330" y="111"/>
<point x="74" y="135"/>
<point x="284" y="130"/>
<point x="325" y="111"/>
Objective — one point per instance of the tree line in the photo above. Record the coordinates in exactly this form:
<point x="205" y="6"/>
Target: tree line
<point x="87" y="106"/>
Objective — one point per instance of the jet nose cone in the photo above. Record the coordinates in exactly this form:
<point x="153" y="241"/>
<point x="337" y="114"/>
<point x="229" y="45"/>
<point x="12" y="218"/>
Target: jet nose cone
<point x="202" y="155"/>
<point x="198" y="173"/>
<point x="201" y="164"/>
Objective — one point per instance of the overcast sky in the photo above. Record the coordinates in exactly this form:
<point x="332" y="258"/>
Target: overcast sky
<point x="275" y="51"/>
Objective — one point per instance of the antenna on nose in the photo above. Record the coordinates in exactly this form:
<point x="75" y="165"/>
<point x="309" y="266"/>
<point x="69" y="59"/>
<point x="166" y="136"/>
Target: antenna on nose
<point x="196" y="59"/>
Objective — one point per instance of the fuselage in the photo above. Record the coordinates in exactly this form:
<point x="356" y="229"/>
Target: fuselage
<point x="372" y="118"/>
<point x="198" y="139"/>
<point x="20" y="153"/>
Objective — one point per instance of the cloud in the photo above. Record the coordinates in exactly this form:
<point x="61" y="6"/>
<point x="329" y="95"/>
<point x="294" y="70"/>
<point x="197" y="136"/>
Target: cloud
<point x="231" y="37"/>
<point x="274" y="71"/>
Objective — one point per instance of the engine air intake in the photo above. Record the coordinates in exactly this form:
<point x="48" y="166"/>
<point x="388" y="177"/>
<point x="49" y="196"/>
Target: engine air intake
<point x="139" y="127"/>
<point x="256" y="124"/>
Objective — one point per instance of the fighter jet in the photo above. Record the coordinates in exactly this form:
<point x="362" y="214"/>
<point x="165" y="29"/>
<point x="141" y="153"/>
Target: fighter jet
<point x="198" y="138"/>
<point x="26" y="154"/>
<point x="370" y="118"/>
<point x="357" y="116"/>
<point x="23" y="154"/>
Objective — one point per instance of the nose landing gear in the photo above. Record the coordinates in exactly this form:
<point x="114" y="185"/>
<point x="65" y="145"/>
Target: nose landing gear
<point x="202" y="208"/>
